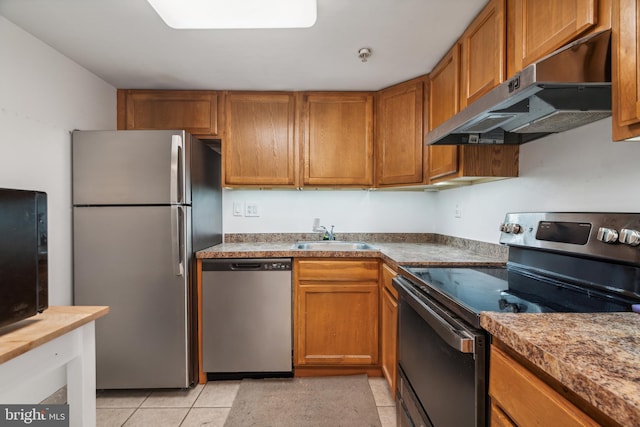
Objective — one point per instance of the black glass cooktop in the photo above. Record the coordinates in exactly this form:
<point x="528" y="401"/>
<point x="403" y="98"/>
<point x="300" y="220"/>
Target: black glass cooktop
<point x="499" y="289"/>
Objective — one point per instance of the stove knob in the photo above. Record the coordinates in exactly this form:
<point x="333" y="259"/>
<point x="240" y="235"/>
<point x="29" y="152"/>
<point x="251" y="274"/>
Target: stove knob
<point x="512" y="228"/>
<point x="503" y="227"/>
<point x="607" y="235"/>
<point x="630" y="237"/>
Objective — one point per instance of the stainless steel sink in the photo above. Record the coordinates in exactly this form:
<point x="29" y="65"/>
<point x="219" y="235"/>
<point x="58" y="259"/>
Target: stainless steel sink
<point x="333" y="245"/>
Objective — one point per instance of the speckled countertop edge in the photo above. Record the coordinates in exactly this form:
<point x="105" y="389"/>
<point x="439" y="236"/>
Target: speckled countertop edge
<point x="597" y="356"/>
<point x="398" y="249"/>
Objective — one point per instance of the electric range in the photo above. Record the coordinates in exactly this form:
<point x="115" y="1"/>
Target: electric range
<point x="558" y="262"/>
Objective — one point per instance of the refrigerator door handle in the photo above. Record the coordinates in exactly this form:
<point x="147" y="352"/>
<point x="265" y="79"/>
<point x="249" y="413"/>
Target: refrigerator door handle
<point x="176" y="190"/>
<point x="177" y="240"/>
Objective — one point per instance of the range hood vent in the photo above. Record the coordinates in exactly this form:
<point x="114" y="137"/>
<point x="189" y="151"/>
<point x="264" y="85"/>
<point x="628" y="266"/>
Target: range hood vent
<point x="564" y="90"/>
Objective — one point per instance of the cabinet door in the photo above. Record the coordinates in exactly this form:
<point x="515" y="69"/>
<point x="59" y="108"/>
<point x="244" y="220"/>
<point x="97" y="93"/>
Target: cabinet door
<point x="193" y="111"/>
<point x="444" y="95"/>
<point x="337" y="323"/>
<point x="542" y="26"/>
<point x="336" y="312"/>
<point x="526" y="399"/>
<point x="389" y="328"/>
<point x="483" y="53"/>
<point x="259" y="146"/>
<point x="399" y="135"/>
<point x="337" y="130"/>
<point x="626" y="77"/>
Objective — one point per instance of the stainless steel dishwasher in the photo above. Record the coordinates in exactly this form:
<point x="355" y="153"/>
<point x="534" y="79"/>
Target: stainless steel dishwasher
<point x="246" y="317"/>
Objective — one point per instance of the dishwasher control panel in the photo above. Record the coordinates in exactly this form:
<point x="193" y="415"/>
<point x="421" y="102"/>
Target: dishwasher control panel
<point x="277" y="266"/>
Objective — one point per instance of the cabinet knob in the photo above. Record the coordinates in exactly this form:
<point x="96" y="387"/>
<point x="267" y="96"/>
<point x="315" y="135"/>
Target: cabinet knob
<point x="630" y="237"/>
<point x="607" y="235"/>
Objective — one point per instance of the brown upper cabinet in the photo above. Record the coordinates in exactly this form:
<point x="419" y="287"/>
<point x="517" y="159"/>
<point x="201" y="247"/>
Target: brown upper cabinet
<point x="542" y="26"/>
<point x="625" y="75"/>
<point x="195" y="111"/>
<point x="483" y="53"/>
<point x="337" y="134"/>
<point x="471" y="68"/>
<point x="444" y="103"/>
<point x="259" y="146"/>
<point x="399" y="140"/>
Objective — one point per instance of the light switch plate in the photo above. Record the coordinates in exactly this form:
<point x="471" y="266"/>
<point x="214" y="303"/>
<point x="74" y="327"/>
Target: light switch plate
<point x="252" y="209"/>
<point x="238" y="208"/>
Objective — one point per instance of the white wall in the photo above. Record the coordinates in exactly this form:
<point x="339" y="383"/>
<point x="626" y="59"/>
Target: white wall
<point x="44" y="96"/>
<point x="352" y="211"/>
<point x="577" y="170"/>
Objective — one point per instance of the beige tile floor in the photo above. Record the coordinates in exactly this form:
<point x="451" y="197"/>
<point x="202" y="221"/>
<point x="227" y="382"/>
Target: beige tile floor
<point x="204" y="405"/>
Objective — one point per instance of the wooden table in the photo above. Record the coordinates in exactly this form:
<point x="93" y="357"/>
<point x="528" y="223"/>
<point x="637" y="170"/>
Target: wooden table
<point x="60" y="336"/>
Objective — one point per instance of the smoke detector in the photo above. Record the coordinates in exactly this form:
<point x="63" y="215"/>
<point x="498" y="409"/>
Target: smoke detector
<point x="364" y="53"/>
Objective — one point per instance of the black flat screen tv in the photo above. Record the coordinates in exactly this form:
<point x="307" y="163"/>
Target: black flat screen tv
<point x="23" y="255"/>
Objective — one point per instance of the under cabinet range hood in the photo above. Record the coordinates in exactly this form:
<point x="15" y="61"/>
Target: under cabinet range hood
<point x="564" y="90"/>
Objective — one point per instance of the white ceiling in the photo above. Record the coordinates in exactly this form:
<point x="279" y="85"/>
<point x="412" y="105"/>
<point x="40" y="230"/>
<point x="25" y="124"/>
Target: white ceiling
<point x="127" y="44"/>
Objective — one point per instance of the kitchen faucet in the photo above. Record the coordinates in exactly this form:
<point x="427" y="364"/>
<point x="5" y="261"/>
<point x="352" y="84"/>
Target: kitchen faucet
<point x="328" y="234"/>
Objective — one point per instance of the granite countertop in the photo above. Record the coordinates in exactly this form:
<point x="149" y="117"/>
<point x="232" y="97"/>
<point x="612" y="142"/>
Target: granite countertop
<point x="394" y="253"/>
<point x="596" y="356"/>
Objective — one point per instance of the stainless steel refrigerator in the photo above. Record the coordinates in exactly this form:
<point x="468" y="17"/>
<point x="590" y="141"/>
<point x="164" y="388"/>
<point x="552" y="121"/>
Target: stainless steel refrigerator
<point x="143" y="203"/>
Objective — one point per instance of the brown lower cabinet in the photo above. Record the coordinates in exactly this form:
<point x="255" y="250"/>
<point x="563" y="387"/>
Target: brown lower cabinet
<point x="521" y="398"/>
<point x="335" y="316"/>
<point x="388" y="327"/>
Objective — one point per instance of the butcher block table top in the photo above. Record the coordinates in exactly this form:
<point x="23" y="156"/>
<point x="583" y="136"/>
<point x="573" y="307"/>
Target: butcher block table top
<point x="20" y="337"/>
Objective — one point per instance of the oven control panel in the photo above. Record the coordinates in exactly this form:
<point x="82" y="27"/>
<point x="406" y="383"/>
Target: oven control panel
<point x="606" y="235"/>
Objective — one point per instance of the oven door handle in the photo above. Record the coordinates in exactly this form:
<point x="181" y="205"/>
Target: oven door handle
<point x="454" y="336"/>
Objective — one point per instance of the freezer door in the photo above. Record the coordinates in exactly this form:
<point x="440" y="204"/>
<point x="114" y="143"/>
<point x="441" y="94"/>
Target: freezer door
<point x="131" y="167"/>
<point x="134" y="260"/>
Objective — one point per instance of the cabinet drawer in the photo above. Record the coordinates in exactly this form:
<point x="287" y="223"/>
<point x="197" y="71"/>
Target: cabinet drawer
<point x="321" y="270"/>
<point x="387" y="280"/>
<point x="526" y="399"/>
<point x="499" y="418"/>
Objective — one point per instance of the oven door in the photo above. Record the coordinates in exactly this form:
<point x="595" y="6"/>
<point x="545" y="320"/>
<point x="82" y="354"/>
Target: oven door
<point x="443" y="361"/>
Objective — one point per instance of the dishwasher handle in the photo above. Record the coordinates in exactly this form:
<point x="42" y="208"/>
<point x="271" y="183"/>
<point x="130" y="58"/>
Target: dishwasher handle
<point x="249" y="266"/>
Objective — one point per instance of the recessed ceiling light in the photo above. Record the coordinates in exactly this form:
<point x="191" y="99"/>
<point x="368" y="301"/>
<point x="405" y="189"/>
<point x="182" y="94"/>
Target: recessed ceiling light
<point x="233" y="14"/>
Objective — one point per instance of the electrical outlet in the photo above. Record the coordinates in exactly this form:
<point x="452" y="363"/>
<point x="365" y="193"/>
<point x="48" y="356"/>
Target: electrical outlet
<point x="252" y="209"/>
<point x="238" y="208"/>
<point x="458" y="212"/>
